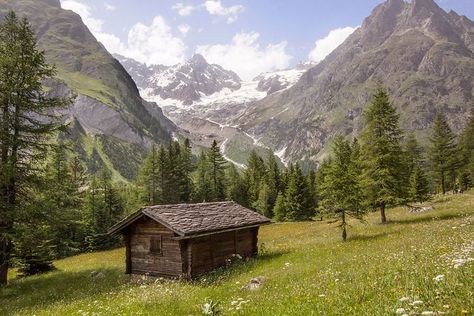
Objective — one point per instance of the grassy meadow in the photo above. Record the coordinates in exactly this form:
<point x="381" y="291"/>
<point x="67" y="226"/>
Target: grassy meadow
<point x="418" y="264"/>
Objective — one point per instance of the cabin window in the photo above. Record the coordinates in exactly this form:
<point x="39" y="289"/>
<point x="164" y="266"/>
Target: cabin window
<point x="156" y="245"/>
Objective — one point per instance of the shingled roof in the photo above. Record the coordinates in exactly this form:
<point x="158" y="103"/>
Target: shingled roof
<point x="195" y="219"/>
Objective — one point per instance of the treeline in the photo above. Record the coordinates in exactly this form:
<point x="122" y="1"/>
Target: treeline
<point x="169" y="174"/>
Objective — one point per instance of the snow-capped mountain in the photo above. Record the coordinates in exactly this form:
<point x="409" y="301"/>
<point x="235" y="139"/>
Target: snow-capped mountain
<point x="186" y="82"/>
<point x="204" y="99"/>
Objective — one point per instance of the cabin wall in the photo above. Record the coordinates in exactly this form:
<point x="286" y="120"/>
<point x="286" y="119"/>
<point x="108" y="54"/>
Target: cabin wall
<point x="142" y="260"/>
<point x="209" y="252"/>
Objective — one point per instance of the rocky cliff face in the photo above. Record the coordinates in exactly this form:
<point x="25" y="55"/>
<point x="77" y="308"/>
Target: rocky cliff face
<point x="108" y="103"/>
<point x="423" y="55"/>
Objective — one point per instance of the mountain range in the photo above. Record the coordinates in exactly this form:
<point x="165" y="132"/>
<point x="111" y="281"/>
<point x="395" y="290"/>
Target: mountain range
<point x="423" y="55"/>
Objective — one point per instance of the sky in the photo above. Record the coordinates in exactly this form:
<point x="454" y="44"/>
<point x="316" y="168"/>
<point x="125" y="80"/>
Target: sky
<point x="246" y="36"/>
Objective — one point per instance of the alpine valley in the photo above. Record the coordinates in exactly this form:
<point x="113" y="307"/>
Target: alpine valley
<point x="423" y="55"/>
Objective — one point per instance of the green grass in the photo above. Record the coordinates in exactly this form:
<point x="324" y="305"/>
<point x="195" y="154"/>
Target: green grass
<point x="306" y="269"/>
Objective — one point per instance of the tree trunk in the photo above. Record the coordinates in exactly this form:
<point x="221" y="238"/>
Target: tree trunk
<point x="4" y="255"/>
<point x="382" y="212"/>
<point x="443" y="185"/>
<point x="344" y="233"/>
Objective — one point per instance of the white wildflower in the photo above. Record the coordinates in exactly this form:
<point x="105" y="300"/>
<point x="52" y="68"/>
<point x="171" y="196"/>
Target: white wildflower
<point x="404" y="299"/>
<point x="439" y="278"/>
<point x="400" y="311"/>
<point x="427" y="313"/>
<point x="417" y="303"/>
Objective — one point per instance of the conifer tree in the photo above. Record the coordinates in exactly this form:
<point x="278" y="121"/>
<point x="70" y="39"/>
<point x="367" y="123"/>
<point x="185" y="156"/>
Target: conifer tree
<point x="340" y="193"/>
<point x="236" y="188"/>
<point x="202" y="179"/>
<point x="443" y="151"/>
<point x="279" y="210"/>
<point x="26" y="122"/>
<point x="186" y="168"/>
<point x="382" y="155"/>
<point x="272" y="179"/>
<point x="466" y="153"/>
<point x="262" y="204"/>
<point x="217" y="166"/>
<point x="148" y="178"/>
<point x="419" y="190"/>
<point x="296" y="195"/>
<point x="254" y="174"/>
<point x="413" y="153"/>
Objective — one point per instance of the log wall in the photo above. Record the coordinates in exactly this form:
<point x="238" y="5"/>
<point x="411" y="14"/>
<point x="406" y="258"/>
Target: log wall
<point x="210" y="252"/>
<point x="167" y="263"/>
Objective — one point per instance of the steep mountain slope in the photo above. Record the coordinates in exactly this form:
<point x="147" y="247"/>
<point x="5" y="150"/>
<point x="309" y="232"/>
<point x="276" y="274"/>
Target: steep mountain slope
<point x="423" y="55"/>
<point x="109" y="118"/>
<point x="202" y="99"/>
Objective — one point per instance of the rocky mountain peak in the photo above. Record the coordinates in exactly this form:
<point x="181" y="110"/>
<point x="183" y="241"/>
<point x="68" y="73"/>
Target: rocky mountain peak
<point x="198" y="60"/>
<point x="54" y="3"/>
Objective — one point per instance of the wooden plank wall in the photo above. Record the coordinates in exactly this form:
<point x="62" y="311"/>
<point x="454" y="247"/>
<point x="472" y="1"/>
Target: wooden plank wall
<point x="210" y="252"/>
<point x="168" y="263"/>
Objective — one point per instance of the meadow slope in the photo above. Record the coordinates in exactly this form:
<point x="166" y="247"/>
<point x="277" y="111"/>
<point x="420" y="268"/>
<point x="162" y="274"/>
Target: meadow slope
<point x="419" y="262"/>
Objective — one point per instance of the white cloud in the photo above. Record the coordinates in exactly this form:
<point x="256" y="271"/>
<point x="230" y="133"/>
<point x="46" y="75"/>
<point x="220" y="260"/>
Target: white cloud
<point x="215" y="7"/>
<point x="326" y="45"/>
<point x="109" y="7"/>
<point x="184" y="29"/>
<point x="154" y="43"/>
<point x="151" y="44"/>
<point x="183" y="9"/>
<point x="245" y="56"/>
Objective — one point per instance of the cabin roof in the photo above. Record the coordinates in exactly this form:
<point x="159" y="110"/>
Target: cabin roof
<point x="197" y="218"/>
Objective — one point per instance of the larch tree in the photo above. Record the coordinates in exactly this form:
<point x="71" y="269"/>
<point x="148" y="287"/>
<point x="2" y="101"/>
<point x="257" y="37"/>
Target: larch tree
<point x="383" y="181"/>
<point x="443" y="151"/>
<point x="466" y="153"/>
<point x="26" y="122"/>
<point x="217" y="166"/>
<point x="340" y="191"/>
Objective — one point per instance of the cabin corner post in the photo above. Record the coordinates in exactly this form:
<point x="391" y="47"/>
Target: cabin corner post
<point x="190" y="259"/>
<point x="255" y="241"/>
<point x="128" y="254"/>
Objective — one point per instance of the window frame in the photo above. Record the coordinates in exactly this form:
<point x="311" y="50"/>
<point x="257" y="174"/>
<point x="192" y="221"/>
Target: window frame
<point x="156" y="240"/>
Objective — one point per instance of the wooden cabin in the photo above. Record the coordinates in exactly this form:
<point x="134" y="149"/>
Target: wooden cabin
<point x="185" y="240"/>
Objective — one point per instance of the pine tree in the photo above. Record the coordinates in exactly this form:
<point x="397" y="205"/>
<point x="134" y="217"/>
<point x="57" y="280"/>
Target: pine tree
<point x="148" y="178"/>
<point x="321" y="175"/>
<point x="443" y="151"/>
<point x="202" y="180"/>
<point x="26" y="122"/>
<point x="466" y="154"/>
<point x="254" y="174"/>
<point x="413" y="153"/>
<point x="186" y="168"/>
<point x="217" y="167"/>
<point x="236" y="188"/>
<point x="296" y="196"/>
<point x="262" y="204"/>
<point x="279" y="210"/>
<point x="340" y="193"/>
<point x="272" y="179"/>
<point x="163" y="176"/>
<point x="419" y="190"/>
<point x="382" y="155"/>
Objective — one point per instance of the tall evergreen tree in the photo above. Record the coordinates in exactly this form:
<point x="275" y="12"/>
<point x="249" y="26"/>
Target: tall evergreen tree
<point x="217" y="167"/>
<point x="382" y="155"/>
<point x="148" y="178"/>
<point x="26" y="122"/>
<point x="202" y="179"/>
<point x="236" y="188"/>
<point x="340" y="193"/>
<point x="279" y="210"/>
<point x="466" y="152"/>
<point x="413" y="153"/>
<point x="419" y="190"/>
<point x="186" y="167"/>
<point x="443" y="151"/>
<point x="272" y="179"/>
<point x="296" y="196"/>
<point x="254" y="175"/>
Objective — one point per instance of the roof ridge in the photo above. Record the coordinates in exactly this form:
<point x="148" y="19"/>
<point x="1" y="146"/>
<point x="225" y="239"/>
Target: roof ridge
<point x="193" y="204"/>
